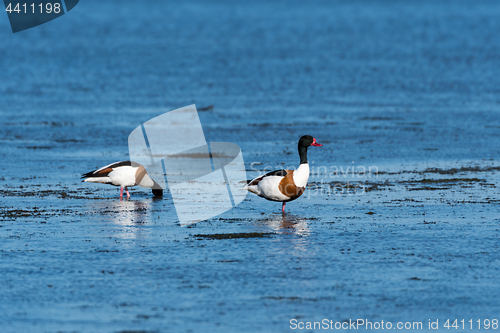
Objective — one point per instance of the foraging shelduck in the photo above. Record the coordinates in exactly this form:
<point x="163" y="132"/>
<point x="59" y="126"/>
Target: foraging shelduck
<point x="124" y="174"/>
<point x="285" y="185"/>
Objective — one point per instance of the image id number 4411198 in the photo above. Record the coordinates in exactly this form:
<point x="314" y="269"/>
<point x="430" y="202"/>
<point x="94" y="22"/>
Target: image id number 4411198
<point x="26" y="8"/>
<point x="478" y="324"/>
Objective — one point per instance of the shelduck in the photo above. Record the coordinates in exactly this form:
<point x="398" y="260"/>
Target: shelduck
<point x="285" y="185"/>
<point x="124" y="174"/>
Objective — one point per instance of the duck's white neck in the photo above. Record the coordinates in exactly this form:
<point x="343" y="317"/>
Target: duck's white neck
<point x="301" y="175"/>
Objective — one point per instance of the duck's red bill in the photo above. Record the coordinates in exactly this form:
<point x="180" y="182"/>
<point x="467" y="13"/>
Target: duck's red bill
<point x="315" y="144"/>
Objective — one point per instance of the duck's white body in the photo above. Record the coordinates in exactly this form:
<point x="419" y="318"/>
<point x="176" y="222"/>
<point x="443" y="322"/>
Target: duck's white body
<point x="124" y="174"/>
<point x="276" y="186"/>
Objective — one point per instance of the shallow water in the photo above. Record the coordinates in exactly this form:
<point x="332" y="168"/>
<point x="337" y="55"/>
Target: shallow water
<point x="408" y="89"/>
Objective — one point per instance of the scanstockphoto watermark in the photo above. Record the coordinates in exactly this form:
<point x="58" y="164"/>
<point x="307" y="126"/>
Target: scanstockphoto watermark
<point x="364" y="324"/>
<point x="358" y="324"/>
<point x="352" y="171"/>
<point x="331" y="180"/>
<point x="326" y="172"/>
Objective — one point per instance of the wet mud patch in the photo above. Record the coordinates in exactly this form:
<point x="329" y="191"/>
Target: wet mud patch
<point x="63" y="194"/>
<point x="232" y="219"/>
<point x="442" y="184"/>
<point x="350" y="187"/>
<point x="447" y="180"/>
<point x="68" y="141"/>
<point x="429" y="188"/>
<point x="35" y="212"/>
<point x="464" y="169"/>
<point x="37" y="147"/>
<point x="41" y="123"/>
<point x="378" y="118"/>
<point x="450" y="171"/>
<point x="380" y="186"/>
<point x="235" y="235"/>
<point x="297" y="298"/>
<point x="16" y="213"/>
<point x="404" y="200"/>
<point x="206" y="108"/>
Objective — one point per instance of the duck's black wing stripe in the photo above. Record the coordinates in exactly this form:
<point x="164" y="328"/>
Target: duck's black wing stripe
<point x="103" y="172"/>
<point x="280" y="173"/>
<point x="120" y="164"/>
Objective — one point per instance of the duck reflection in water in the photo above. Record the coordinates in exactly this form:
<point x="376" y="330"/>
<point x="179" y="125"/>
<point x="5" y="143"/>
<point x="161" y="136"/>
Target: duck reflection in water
<point x="286" y="223"/>
<point x="124" y="212"/>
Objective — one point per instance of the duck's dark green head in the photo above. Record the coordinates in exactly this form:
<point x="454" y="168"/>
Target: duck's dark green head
<point x="307" y="141"/>
<point x="304" y="143"/>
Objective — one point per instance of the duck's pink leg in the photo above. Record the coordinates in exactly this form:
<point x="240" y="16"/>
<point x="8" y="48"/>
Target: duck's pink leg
<point x="283" y="208"/>
<point x="121" y="192"/>
<point x="128" y="194"/>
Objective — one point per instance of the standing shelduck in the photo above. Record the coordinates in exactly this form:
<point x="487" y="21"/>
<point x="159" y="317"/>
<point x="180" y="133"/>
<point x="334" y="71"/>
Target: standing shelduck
<point x="285" y="185"/>
<point x="124" y="174"/>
